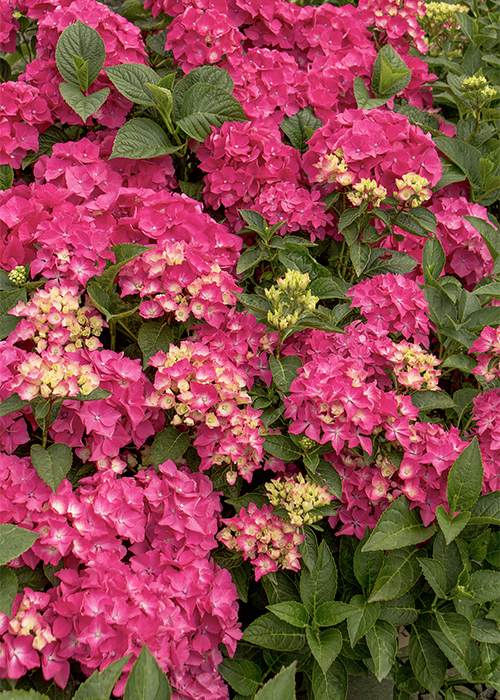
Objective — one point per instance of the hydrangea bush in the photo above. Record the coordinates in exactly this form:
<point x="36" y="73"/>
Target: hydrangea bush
<point x="249" y="348"/>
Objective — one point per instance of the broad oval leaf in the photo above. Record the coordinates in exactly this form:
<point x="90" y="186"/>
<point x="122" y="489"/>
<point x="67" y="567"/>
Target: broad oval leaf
<point x="243" y="676"/>
<point x="130" y="79"/>
<point x="211" y="75"/>
<point x="398" y="527"/>
<point x="272" y="633"/>
<point x="325" y="646"/>
<point x="427" y="660"/>
<point x="141" y="138"/>
<point x="284" y="371"/>
<point x="84" y="105"/>
<point x="14" y="541"/>
<point x="292" y="612"/>
<point x="382" y="640"/>
<point x="205" y="106"/>
<point x="100" y="684"/>
<point x="331" y="685"/>
<point x="84" y="42"/>
<point x="465" y="479"/>
<point x="8" y="589"/>
<point x="147" y="681"/>
<point x="281" y="687"/>
<point x="320" y="585"/>
<point x="169" y="444"/>
<point x="52" y="464"/>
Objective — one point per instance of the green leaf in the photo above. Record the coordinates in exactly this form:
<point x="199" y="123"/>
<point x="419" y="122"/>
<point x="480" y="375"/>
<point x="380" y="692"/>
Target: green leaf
<point x="205" y="106"/>
<point x="360" y="256"/>
<point x="362" y="96"/>
<point x="84" y="42"/>
<point x="488" y="290"/>
<point x="331" y="685"/>
<point x="382" y="640"/>
<point x="142" y="138"/>
<point x="486" y="511"/>
<point x="281" y="687"/>
<point x="462" y="362"/>
<point x="249" y="259"/>
<point x="280" y="588"/>
<point x="484" y="586"/>
<point x="154" y="336"/>
<point x="489" y="234"/>
<point x="453" y="654"/>
<point x="325" y="646"/>
<point x="333" y="613"/>
<point x="398" y="527"/>
<point x="420" y="221"/>
<point x="82" y="72"/>
<point x="12" y="404"/>
<point x="390" y="73"/>
<point x="433" y="259"/>
<point x="282" y="447"/>
<point x="14" y="541"/>
<point x="399" y="611"/>
<point x="435" y="575"/>
<point x="6" y="177"/>
<point x="309" y="548"/>
<point x="52" y="464"/>
<point x="243" y="676"/>
<point x="169" y="444"/>
<point x="147" y="681"/>
<point x="130" y="79"/>
<point x="428" y="400"/>
<point x="327" y="475"/>
<point x="8" y="590"/>
<point x="292" y="612"/>
<point x="456" y="628"/>
<point x="465" y="479"/>
<point x="485" y="631"/>
<point x="462" y="154"/>
<point x="22" y="695"/>
<point x="399" y="572"/>
<point x="84" y="106"/>
<point x="320" y="585"/>
<point x="284" y="371"/>
<point x="326" y="288"/>
<point x="213" y="75"/>
<point x="294" y="127"/>
<point x="100" y="685"/>
<point x="272" y="633"/>
<point x="450" y="558"/>
<point x="427" y="660"/>
<point x="367" y="565"/>
<point x="7" y="302"/>
<point x="363" y="619"/>
<point x="451" y="526"/>
<point x="95" y="395"/>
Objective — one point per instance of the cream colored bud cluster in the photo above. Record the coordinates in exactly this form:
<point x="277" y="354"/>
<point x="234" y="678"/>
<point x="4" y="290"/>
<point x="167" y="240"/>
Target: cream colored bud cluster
<point x="18" y="275"/>
<point x="386" y="467"/>
<point x="53" y="376"/>
<point x="367" y="191"/>
<point x="57" y="322"/>
<point x="289" y="299"/>
<point x="299" y="498"/>
<point x="333" y="168"/>
<point x="415" y="368"/>
<point x="413" y="190"/>
<point x="443" y="12"/>
<point x="478" y="85"/>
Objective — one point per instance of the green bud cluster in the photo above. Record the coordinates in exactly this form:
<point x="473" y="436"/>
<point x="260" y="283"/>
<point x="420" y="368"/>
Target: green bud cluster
<point x="477" y="85"/>
<point x="299" y="498"/>
<point x="18" y="275"/>
<point x="307" y="443"/>
<point x="443" y="12"/>
<point x="289" y="299"/>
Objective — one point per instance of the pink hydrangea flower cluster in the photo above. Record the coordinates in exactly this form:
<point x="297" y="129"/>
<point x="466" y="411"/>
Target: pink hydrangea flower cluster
<point x="123" y="43"/>
<point x="428" y="453"/>
<point x="56" y="321"/>
<point x="207" y="389"/>
<point x="248" y="165"/>
<point x="8" y="27"/>
<point x="268" y="541"/>
<point x="23" y="114"/>
<point x="167" y="594"/>
<point x="267" y="82"/>
<point x="488" y="348"/>
<point x="396" y="22"/>
<point x="84" y="170"/>
<point x="200" y="36"/>
<point x="394" y="304"/>
<point x="487" y="416"/>
<point x="467" y="255"/>
<point x="378" y="144"/>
